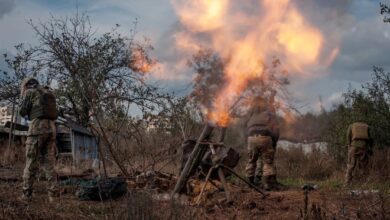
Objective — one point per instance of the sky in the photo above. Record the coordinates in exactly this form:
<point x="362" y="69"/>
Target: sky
<point x="356" y="25"/>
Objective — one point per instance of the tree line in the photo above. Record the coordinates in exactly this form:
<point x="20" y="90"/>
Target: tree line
<point x="99" y="78"/>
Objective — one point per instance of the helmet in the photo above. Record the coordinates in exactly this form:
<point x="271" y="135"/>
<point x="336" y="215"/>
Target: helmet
<point x="28" y="83"/>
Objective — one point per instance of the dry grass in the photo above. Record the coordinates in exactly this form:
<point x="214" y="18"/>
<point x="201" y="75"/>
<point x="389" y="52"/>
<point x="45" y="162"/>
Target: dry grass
<point x="294" y="166"/>
<point x="379" y="165"/>
<point x="12" y="155"/>
<point x="148" y="204"/>
<point x="295" y="163"/>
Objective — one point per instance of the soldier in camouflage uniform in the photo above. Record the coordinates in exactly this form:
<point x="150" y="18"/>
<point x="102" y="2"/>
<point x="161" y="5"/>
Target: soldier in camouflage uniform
<point x="263" y="134"/>
<point x="41" y="137"/>
<point x="360" y="146"/>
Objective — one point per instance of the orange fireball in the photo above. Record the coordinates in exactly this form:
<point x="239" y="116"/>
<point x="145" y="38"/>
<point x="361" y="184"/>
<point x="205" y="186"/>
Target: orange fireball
<point x="248" y="41"/>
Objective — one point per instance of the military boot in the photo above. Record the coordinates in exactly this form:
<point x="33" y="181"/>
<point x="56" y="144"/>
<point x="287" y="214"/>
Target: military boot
<point x="266" y="182"/>
<point x="51" y="199"/>
<point x="53" y="195"/>
<point x="257" y="180"/>
<point x="25" y="198"/>
<point x="348" y="180"/>
<point x="275" y="184"/>
<point x="251" y="179"/>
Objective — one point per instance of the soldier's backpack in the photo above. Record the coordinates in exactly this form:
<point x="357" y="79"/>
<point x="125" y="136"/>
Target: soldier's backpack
<point x="110" y="188"/>
<point x="45" y="107"/>
<point x="360" y="131"/>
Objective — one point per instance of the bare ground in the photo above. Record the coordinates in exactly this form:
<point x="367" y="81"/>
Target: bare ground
<point x="148" y="204"/>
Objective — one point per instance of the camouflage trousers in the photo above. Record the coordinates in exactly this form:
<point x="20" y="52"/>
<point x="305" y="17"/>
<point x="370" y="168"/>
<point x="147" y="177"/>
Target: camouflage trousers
<point x="260" y="156"/>
<point x="357" y="156"/>
<point x="37" y="155"/>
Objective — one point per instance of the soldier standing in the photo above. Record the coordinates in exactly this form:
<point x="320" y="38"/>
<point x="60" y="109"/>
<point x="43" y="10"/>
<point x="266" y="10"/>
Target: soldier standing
<point x="39" y="105"/>
<point x="360" y="146"/>
<point x="263" y="134"/>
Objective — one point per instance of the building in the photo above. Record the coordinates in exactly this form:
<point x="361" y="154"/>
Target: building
<point x="153" y="124"/>
<point x="75" y="141"/>
<point x="6" y="115"/>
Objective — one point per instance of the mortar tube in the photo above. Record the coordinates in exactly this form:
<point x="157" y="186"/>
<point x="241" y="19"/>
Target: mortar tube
<point x="189" y="166"/>
<point x="222" y="134"/>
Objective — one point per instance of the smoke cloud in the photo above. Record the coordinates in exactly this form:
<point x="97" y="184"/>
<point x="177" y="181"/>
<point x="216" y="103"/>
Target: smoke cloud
<point x="6" y="6"/>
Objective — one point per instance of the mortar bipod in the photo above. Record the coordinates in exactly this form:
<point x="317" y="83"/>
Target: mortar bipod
<point x="216" y="165"/>
<point x="217" y="158"/>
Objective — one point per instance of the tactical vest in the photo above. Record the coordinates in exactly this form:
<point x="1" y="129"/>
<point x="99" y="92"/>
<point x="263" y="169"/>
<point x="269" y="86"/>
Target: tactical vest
<point x="359" y="131"/>
<point x="44" y="105"/>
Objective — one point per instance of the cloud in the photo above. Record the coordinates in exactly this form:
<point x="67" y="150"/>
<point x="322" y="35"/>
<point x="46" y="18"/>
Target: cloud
<point x="364" y="45"/>
<point x="357" y="28"/>
<point x="306" y="92"/>
<point x="6" y="6"/>
<point x="3" y="64"/>
<point x="353" y="25"/>
<point x="334" y="99"/>
<point x="329" y="102"/>
<point x="363" y="39"/>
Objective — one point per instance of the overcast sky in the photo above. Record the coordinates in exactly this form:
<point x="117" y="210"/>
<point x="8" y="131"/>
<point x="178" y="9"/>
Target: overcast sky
<point x="363" y="37"/>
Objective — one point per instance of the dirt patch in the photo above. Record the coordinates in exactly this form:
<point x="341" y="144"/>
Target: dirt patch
<point x="154" y="204"/>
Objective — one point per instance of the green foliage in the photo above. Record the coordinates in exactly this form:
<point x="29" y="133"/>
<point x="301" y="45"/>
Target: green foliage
<point x="336" y="134"/>
<point x="370" y="105"/>
<point x="323" y="184"/>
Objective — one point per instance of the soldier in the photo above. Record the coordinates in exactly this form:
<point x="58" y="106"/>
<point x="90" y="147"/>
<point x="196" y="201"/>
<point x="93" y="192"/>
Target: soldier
<point x="263" y="134"/>
<point x="39" y="105"/>
<point x="359" y="146"/>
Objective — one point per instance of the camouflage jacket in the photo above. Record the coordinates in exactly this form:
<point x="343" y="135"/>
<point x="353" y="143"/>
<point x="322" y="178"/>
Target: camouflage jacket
<point x="37" y="126"/>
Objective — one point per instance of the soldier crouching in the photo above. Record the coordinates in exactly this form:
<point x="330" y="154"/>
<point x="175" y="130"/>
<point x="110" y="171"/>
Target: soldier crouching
<point x="39" y="105"/>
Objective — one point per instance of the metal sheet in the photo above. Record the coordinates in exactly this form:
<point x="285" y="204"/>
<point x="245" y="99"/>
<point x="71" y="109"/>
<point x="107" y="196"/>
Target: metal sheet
<point x="84" y="147"/>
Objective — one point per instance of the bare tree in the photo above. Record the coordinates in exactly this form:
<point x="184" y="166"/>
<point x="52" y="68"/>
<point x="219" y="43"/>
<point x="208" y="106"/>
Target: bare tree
<point x="98" y="78"/>
<point x="385" y="9"/>
<point x="210" y="80"/>
<point x="18" y="68"/>
<point x="85" y="67"/>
